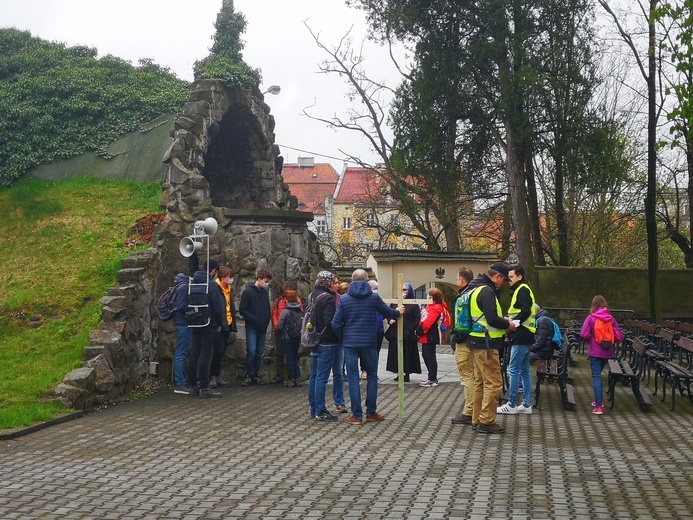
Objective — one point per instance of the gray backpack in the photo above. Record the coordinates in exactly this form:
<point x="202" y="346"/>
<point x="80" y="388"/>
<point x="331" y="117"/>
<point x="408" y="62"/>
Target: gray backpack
<point x="310" y="336"/>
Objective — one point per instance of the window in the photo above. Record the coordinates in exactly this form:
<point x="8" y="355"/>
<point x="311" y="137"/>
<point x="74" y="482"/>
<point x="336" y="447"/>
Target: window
<point x="347" y="223"/>
<point x="393" y="245"/>
<point x="394" y="220"/>
<point x="368" y="247"/>
<point x="370" y="220"/>
<point x="346" y="252"/>
<point x="320" y="227"/>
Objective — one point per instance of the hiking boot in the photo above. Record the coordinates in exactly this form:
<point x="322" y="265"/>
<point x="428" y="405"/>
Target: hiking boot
<point x="208" y="392"/>
<point x="489" y="428"/>
<point x="213" y="382"/>
<point x="325" y="416"/>
<point x="521" y="408"/>
<point x="181" y="389"/>
<point x="374" y="417"/>
<point x="247" y="381"/>
<point x="462" y="419"/>
<point x="356" y="421"/>
<point x="341" y="409"/>
<point x="221" y="382"/>
<point x="507" y="409"/>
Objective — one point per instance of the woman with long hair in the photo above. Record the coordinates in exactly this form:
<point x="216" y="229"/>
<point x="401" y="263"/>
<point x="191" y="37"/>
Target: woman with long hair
<point x="596" y="329"/>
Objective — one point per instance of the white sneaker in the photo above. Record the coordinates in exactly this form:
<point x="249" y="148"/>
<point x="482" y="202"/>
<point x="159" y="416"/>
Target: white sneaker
<point x="521" y="408"/>
<point x="507" y="409"/>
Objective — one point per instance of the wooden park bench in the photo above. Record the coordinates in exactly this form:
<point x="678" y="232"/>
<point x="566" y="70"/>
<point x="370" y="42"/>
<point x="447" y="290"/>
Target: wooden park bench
<point x="629" y="373"/>
<point x="670" y="324"/>
<point x="686" y="329"/>
<point x="676" y="371"/>
<point x="558" y="370"/>
<point x="663" y="348"/>
<point x="649" y="330"/>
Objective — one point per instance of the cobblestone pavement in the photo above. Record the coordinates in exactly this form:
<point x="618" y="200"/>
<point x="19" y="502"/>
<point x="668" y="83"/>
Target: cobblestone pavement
<point x="256" y="454"/>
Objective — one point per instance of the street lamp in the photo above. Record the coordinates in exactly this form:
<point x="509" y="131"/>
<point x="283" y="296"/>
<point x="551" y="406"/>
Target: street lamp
<point x="273" y="89"/>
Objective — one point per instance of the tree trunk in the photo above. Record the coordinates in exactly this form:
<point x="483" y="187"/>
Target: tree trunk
<point x="650" y="207"/>
<point x="532" y="200"/>
<point x="516" y="185"/>
<point x="688" y="247"/>
<point x="561" y="219"/>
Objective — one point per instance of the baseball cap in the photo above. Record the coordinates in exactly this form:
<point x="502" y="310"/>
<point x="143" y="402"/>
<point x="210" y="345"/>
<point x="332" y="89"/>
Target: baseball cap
<point x="501" y="268"/>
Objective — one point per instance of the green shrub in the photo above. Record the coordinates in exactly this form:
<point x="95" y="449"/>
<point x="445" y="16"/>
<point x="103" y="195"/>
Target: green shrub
<point x="58" y="101"/>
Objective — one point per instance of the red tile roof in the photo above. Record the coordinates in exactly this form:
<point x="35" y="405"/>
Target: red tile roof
<point x="358" y="185"/>
<point x="311" y="184"/>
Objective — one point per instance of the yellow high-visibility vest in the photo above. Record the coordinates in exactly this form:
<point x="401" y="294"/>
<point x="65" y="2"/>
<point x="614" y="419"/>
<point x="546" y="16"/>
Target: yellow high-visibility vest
<point x="480" y="319"/>
<point x="531" y="322"/>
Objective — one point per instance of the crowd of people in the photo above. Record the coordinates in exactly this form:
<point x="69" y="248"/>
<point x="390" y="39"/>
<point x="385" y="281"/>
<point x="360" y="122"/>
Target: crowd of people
<point x="353" y="320"/>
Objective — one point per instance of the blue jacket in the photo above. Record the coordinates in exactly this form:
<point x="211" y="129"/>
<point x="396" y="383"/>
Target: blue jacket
<point x="255" y="307"/>
<point x="354" y="321"/>
<point x="216" y="301"/>
<point x="181" y="299"/>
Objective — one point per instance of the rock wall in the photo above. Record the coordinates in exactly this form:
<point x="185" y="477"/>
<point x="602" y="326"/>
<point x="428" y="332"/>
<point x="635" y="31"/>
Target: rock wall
<point x="222" y="163"/>
<point x="121" y="349"/>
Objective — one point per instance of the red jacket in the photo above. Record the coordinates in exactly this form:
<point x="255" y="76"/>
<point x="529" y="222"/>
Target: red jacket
<point x="430" y="317"/>
<point x="277" y="308"/>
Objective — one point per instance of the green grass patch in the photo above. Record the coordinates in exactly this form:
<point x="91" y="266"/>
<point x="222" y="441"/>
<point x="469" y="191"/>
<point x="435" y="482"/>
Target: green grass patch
<point x="65" y="242"/>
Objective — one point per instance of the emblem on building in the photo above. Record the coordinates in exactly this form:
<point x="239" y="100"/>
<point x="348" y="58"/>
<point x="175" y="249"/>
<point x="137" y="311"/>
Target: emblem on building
<point x="440" y="273"/>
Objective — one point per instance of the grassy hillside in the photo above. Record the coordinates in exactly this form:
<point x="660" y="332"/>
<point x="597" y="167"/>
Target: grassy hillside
<point x="58" y="101"/>
<point x="62" y="246"/>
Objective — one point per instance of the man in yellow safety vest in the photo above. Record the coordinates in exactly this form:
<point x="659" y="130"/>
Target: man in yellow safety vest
<point x="484" y="341"/>
<point x="522" y="312"/>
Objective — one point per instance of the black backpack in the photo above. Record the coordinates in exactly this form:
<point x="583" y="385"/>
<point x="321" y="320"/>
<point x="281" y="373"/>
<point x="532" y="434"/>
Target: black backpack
<point x="293" y="323"/>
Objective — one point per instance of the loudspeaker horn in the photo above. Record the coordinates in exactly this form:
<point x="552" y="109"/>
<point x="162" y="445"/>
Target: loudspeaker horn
<point x="207" y="226"/>
<point x="188" y="246"/>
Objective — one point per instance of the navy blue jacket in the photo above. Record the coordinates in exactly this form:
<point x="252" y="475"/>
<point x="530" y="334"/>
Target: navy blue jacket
<point x="255" y="307"/>
<point x="181" y="299"/>
<point x="354" y="321"/>
<point x="216" y="301"/>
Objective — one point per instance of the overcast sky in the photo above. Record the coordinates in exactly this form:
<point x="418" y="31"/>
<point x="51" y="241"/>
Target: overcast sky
<point x="175" y="33"/>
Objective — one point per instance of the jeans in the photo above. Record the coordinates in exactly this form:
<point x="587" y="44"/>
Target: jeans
<point x="322" y="359"/>
<point x="369" y="362"/>
<point x="488" y="385"/>
<point x="428" y="352"/>
<point x="518" y="368"/>
<point x="221" y="340"/>
<point x="200" y="355"/>
<point x="338" y="375"/>
<point x="255" y="346"/>
<point x="293" y="368"/>
<point x="596" y="367"/>
<point x="182" y="352"/>
<point x="465" y="366"/>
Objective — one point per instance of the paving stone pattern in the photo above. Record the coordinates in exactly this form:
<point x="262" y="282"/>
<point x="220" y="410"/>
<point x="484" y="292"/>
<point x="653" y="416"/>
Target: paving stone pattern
<point x="255" y="453"/>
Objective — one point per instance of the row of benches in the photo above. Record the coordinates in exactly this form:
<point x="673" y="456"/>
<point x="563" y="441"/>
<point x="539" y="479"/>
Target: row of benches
<point x="644" y="349"/>
<point x="667" y="352"/>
